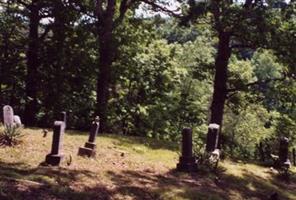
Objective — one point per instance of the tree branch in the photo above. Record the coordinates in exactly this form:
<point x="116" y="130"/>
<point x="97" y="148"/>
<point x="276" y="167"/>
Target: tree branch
<point x="124" y="6"/>
<point x="99" y="9"/>
<point x="161" y="8"/>
<point x="260" y="82"/>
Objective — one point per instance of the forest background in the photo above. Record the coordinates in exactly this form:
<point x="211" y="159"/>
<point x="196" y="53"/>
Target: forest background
<point x="152" y="75"/>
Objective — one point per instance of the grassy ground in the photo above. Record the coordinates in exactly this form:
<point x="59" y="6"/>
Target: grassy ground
<point x="125" y="168"/>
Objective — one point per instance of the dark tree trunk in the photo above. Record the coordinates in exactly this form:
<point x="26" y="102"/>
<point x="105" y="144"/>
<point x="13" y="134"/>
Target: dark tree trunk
<point x="105" y="64"/>
<point x="220" y="80"/>
<point x="58" y="62"/>
<point x="106" y="57"/>
<point x="31" y="107"/>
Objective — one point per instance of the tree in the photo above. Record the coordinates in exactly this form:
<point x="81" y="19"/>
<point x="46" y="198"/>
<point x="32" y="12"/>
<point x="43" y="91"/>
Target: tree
<point x="230" y="20"/>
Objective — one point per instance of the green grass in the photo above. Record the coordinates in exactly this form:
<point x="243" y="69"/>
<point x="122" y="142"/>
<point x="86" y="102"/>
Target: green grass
<point x="125" y="168"/>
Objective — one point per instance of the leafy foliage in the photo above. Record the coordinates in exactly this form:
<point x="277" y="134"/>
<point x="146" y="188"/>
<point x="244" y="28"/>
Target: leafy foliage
<point x="161" y="79"/>
<point x="10" y="135"/>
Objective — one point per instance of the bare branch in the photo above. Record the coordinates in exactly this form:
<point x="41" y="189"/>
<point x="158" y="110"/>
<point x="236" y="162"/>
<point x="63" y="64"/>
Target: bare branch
<point x="161" y="8"/>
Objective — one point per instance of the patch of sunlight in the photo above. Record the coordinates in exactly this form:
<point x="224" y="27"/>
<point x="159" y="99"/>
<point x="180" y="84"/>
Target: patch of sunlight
<point x="234" y="194"/>
<point x="241" y="169"/>
<point x="42" y="179"/>
<point x="232" y="168"/>
<point x="172" y="193"/>
<point x="251" y="187"/>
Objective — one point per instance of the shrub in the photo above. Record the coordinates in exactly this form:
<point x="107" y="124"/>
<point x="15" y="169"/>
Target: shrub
<point x="10" y="135"/>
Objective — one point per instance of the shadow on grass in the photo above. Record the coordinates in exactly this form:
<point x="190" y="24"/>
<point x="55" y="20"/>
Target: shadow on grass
<point x="57" y="183"/>
<point x="19" y="181"/>
<point x="201" y="186"/>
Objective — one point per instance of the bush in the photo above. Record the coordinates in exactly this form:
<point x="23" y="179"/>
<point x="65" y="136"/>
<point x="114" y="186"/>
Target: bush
<point x="10" y="135"/>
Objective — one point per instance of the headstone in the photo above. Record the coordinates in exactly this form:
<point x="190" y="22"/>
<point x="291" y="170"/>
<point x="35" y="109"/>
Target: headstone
<point x="56" y="156"/>
<point x="89" y="148"/>
<point x="8" y="115"/>
<point x="284" y="151"/>
<point x="17" y="121"/>
<point x="212" y="137"/>
<point x="187" y="161"/>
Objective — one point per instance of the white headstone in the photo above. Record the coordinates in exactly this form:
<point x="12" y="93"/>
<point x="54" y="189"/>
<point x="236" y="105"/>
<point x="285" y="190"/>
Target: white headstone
<point x="214" y="126"/>
<point x="17" y="120"/>
<point x="8" y="115"/>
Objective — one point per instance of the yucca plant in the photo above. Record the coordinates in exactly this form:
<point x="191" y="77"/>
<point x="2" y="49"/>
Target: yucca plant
<point x="10" y="135"/>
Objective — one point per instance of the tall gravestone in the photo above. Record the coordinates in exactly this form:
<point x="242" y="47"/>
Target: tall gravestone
<point x="8" y="116"/>
<point x="56" y="156"/>
<point x="89" y="148"/>
<point x="187" y="161"/>
<point x="284" y="151"/>
<point x="212" y="137"/>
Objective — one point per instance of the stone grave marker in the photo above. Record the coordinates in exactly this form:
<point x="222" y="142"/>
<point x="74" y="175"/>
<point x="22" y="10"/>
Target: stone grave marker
<point x="187" y="161"/>
<point x="56" y="156"/>
<point x="17" y="121"/>
<point x="284" y="152"/>
<point x="89" y="148"/>
<point x="8" y="115"/>
<point x="212" y="137"/>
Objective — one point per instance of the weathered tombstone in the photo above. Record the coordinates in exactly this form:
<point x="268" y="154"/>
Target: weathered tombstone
<point x="89" y="148"/>
<point x="187" y="161"/>
<point x="212" y="137"/>
<point x="55" y="157"/>
<point x="8" y="115"/>
<point x="17" y="121"/>
<point x="284" y="152"/>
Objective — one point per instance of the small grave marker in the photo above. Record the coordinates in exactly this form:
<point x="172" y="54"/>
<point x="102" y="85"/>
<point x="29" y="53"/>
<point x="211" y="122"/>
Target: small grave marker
<point x="284" y="152"/>
<point x="8" y="115"/>
<point x="187" y="161"/>
<point x="55" y="157"/>
<point x="89" y="148"/>
<point x="212" y="137"/>
<point x="17" y="121"/>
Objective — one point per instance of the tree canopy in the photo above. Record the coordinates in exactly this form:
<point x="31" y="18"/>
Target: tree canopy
<point x="225" y="62"/>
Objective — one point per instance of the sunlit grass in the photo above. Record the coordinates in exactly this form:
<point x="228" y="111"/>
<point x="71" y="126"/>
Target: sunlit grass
<point x="126" y="168"/>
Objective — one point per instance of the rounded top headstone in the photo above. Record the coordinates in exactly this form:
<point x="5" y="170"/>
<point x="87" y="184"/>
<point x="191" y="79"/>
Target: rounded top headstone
<point x="214" y="126"/>
<point x="8" y="115"/>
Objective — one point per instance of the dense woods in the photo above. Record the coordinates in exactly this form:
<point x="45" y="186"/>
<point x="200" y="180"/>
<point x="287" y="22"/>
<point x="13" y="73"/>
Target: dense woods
<point x="225" y="62"/>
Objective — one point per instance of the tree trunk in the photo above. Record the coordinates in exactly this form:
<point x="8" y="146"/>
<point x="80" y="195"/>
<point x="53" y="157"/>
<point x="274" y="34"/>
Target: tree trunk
<point x="105" y="64"/>
<point x="31" y="107"/>
<point x="58" y="62"/>
<point x="106" y="58"/>
<point x="220" y="80"/>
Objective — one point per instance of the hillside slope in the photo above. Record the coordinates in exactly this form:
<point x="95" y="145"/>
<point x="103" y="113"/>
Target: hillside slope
<point x="125" y="168"/>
